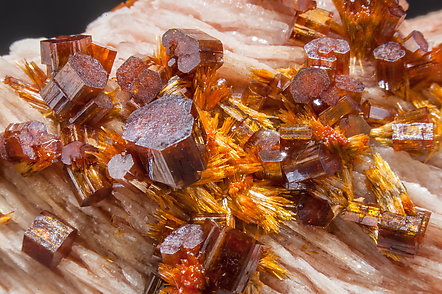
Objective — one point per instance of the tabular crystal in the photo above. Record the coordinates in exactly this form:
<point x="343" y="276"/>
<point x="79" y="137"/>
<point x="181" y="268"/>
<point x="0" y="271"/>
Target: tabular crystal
<point x="166" y="128"/>
<point x="94" y="111"/>
<point x="29" y="146"/>
<point x="193" y="48"/>
<point x="293" y="136"/>
<point x="361" y="213"/>
<point x="128" y="170"/>
<point x="129" y="71"/>
<point x="376" y="113"/>
<point x="413" y="136"/>
<point x="48" y="239"/>
<point x="308" y="83"/>
<point x="106" y="56"/>
<point x="402" y="233"/>
<point x="231" y="258"/>
<point x="56" y="52"/>
<point x="81" y="79"/>
<point x="317" y="19"/>
<point x="308" y="162"/>
<point x="343" y="107"/>
<point x="329" y="53"/>
<point x="389" y="65"/>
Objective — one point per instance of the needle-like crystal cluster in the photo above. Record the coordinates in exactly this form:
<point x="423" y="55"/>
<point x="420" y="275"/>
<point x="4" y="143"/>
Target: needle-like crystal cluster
<point x="225" y="164"/>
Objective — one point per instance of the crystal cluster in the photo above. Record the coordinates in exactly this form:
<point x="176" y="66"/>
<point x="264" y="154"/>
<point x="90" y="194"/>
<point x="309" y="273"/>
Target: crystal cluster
<point x="224" y="164"/>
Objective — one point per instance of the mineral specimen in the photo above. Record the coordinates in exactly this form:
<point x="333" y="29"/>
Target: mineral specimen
<point x="193" y="48"/>
<point x="165" y="127"/>
<point x="308" y="84"/>
<point x="94" y="111"/>
<point x="334" y="113"/>
<point x="313" y="211"/>
<point x="390" y="66"/>
<point x="48" y="239"/>
<point x="330" y="53"/>
<point x="106" y="56"/>
<point x="363" y="214"/>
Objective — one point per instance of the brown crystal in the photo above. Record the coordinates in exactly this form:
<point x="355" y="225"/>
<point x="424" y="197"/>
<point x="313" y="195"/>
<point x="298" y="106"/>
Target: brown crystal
<point x="129" y="71"/>
<point x="193" y="48"/>
<point x="347" y="85"/>
<point x="180" y="244"/>
<point x="308" y="162"/>
<point x="376" y="113"/>
<point x="302" y="34"/>
<point x="231" y="258"/>
<point x="146" y="86"/>
<point x="155" y="284"/>
<point x="313" y="211"/>
<point x="81" y="79"/>
<point x="128" y="170"/>
<point x="334" y="113"/>
<point x="222" y="219"/>
<point x="353" y="125"/>
<point x="29" y="146"/>
<point x="317" y="19"/>
<point x="308" y="83"/>
<point x="402" y="234"/>
<point x="413" y="136"/>
<point x="56" y="52"/>
<point x="78" y="154"/>
<point x="329" y="53"/>
<point x="361" y="213"/>
<point x="303" y="5"/>
<point x="48" y="239"/>
<point x="90" y="184"/>
<point x="293" y="136"/>
<point x="94" y="111"/>
<point x="165" y="127"/>
<point x="105" y="55"/>
<point x="390" y="68"/>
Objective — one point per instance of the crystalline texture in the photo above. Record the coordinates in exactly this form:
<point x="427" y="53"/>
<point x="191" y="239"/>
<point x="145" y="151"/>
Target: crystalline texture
<point x="308" y="84"/>
<point x="165" y="128"/>
<point x="48" y="239"/>
<point x="362" y="214"/>
<point x="127" y="169"/>
<point x="313" y="211"/>
<point x="106" y="56"/>
<point x="94" y="111"/>
<point x="81" y="79"/>
<point x="193" y="48"/>
<point x="390" y="69"/>
<point x="329" y="53"/>
<point x="343" y="107"/>
<point x="56" y="52"/>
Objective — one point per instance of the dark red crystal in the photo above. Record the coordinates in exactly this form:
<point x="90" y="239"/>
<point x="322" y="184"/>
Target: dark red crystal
<point x="308" y="83"/>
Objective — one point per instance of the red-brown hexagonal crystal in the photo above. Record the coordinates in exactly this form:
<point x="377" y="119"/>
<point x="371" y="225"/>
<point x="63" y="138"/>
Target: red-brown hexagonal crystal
<point x="78" y="154"/>
<point x="30" y="146"/>
<point x="313" y="211"/>
<point x="347" y="85"/>
<point x="330" y="53"/>
<point x="146" y="86"/>
<point x="94" y="111"/>
<point x="361" y="213"/>
<point x="56" y="52"/>
<point x="402" y="234"/>
<point x="231" y="259"/>
<point x="81" y="79"/>
<point x="193" y="48"/>
<point x="413" y="136"/>
<point x="106" y="56"/>
<point x="376" y="113"/>
<point x="293" y="136"/>
<point x="308" y="83"/>
<point x="180" y="244"/>
<point x="48" y="239"/>
<point x="308" y="162"/>
<point x="354" y="124"/>
<point x="390" y="68"/>
<point x="166" y="128"/>
<point x="129" y="71"/>
<point x="334" y="113"/>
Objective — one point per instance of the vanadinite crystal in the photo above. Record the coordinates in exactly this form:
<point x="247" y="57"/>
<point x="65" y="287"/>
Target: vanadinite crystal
<point x="376" y="113"/>
<point x="29" y="146"/>
<point x="329" y="53"/>
<point x="48" y="239"/>
<point x="312" y="24"/>
<point x="308" y="84"/>
<point x="127" y="169"/>
<point x="313" y="211"/>
<point x="343" y="107"/>
<point x="402" y="233"/>
<point x="56" y="52"/>
<point x="81" y="79"/>
<point x="363" y="214"/>
<point x="193" y="48"/>
<point x="106" y="56"/>
<point x="78" y="154"/>
<point x="166" y="129"/>
<point x="390" y="67"/>
<point x="94" y="111"/>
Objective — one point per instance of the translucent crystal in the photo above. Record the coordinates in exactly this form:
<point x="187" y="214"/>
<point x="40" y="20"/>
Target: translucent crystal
<point x="106" y="56"/>
<point x="146" y="86"/>
<point x="29" y="146"/>
<point x="259" y="95"/>
<point x="155" y="284"/>
<point x="347" y="85"/>
<point x="402" y="234"/>
<point x="94" y="111"/>
<point x="302" y="34"/>
<point x="293" y="136"/>
<point x="128" y="72"/>
<point x="90" y="184"/>
<point x="128" y="170"/>
<point x="353" y="125"/>
<point x="313" y="211"/>
<point x="81" y="79"/>
<point x="193" y="48"/>
<point x="48" y="239"/>
<point x="361" y="213"/>
<point x="308" y="162"/>
<point x="184" y="241"/>
<point x="308" y="83"/>
<point x="231" y="258"/>
<point x="78" y="154"/>
<point x="376" y="113"/>
<point x="223" y="219"/>
<point x="334" y="113"/>
<point x="390" y="58"/>
<point x="329" y="53"/>
<point x="56" y="52"/>
<point x="166" y="129"/>
<point x="317" y="19"/>
<point x="303" y="5"/>
<point x="413" y="136"/>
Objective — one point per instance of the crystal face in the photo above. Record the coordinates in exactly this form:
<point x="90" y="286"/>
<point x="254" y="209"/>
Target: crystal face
<point x="343" y="107"/>
<point x="81" y="79"/>
<point x="48" y="239"/>
<point x="106" y="56"/>
<point x="166" y="128"/>
<point x="347" y="85"/>
<point x="390" y="66"/>
<point x="313" y="211"/>
<point x="362" y="214"/>
<point x="29" y="146"/>
<point x="329" y="53"/>
<point x="128" y="72"/>
<point x="353" y="125"/>
<point x="413" y="136"/>
<point x="308" y="84"/>
<point x="193" y="48"/>
<point x="375" y="113"/>
<point x="94" y="111"/>
<point x="56" y="52"/>
<point x="128" y="170"/>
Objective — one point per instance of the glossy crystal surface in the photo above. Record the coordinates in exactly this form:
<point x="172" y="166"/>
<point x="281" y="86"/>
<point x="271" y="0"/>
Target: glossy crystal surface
<point x="390" y="58"/>
<point x="329" y="53"/>
<point x="308" y="83"/>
